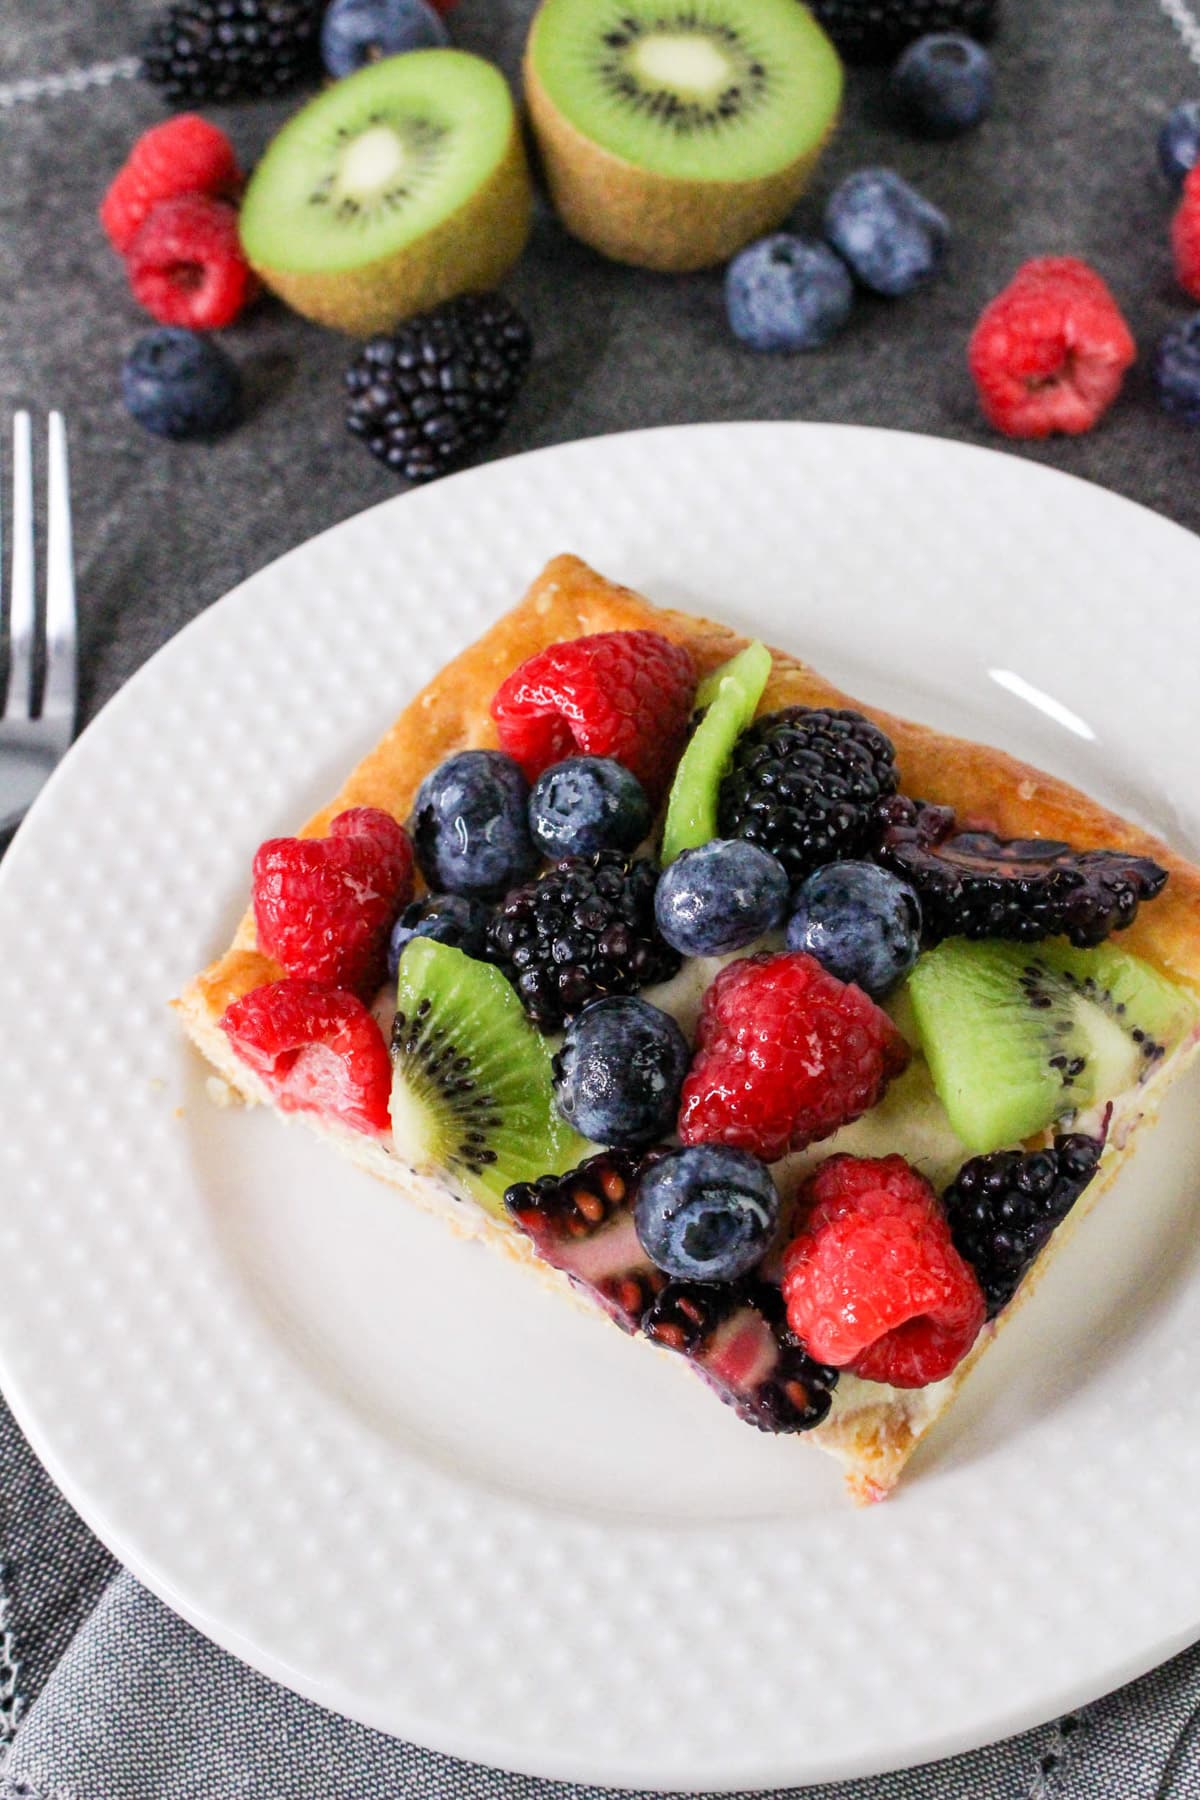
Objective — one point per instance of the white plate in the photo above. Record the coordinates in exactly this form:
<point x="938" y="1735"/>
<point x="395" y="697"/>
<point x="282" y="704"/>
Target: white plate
<point x="380" y="1465"/>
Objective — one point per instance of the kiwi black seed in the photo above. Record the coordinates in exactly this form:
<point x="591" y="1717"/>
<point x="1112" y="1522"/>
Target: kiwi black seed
<point x="399" y="187"/>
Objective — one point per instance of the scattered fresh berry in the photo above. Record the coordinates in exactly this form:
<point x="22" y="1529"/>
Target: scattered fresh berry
<point x="786" y="1055"/>
<point x="425" y="397"/>
<point x="317" y="1049"/>
<point x="1177" y="370"/>
<point x="618" y="1075"/>
<point x="186" y="265"/>
<point x="583" y="1223"/>
<point x="1050" y="352"/>
<point x="470" y="825"/>
<point x="891" y="236"/>
<point x="183" y="155"/>
<point x="582" y="930"/>
<point x="943" y="84"/>
<point x="877" y="30"/>
<point x="324" y="906"/>
<point x="1003" y="1208"/>
<point x="1185" y="236"/>
<point x="804" y="784"/>
<point x="357" y="32"/>
<point x="873" y="1282"/>
<point x="448" y="918"/>
<point x="625" y="694"/>
<point x="1179" y="142"/>
<point x="738" y="1339"/>
<point x="180" y="385"/>
<point x="707" y="1213"/>
<point x="588" y="803"/>
<point x="200" y="50"/>
<point x="720" y="897"/>
<point x="973" y="885"/>
<point x="861" y="923"/>
<point x="787" y="293"/>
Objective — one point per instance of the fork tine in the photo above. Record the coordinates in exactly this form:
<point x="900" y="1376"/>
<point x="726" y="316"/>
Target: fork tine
<point x="58" y="700"/>
<point x="18" y="703"/>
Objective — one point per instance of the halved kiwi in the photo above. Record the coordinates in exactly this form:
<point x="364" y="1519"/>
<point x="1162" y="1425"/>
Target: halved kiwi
<point x="471" y="1084"/>
<point x="1017" y="1035"/>
<point x="395" y="189"/>
<point x="674" y="131"/>
<point x="727" y="700"/>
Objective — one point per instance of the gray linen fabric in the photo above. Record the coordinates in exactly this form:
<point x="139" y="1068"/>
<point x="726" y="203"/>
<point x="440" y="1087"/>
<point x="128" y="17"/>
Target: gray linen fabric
<point x="105" y="1695"/>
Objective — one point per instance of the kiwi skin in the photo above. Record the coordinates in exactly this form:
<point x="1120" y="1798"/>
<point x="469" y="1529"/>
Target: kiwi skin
<point x="471" y="250"/>
<point x="655" y="221"/>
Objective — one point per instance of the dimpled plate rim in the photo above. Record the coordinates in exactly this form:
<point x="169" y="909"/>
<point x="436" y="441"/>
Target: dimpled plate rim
<point x="1025" y="1567"/>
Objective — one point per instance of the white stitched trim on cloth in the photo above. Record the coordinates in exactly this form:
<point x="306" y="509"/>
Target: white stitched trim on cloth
<point x="75" y="81"/>
<point x="1186" y="23"/>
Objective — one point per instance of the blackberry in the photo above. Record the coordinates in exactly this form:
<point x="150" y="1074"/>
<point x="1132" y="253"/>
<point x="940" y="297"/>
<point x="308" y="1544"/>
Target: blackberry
<point x="202" y="51"/>
<point x="427" y="395"/>
<point x="804" y="784"/>
<point x="582" y="929"/>
<point x="1003" y="1208"/>
<point x="973" y="885"/>
<point x="878" y="30"/>
<point x="582" y="1223"/>
<point x="756" y="1365"/>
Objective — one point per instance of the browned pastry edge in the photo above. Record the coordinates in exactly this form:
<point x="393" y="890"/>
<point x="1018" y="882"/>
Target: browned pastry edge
<point x="988" y="786"/>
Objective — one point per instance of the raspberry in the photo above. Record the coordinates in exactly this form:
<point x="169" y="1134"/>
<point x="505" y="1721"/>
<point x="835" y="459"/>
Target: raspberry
<point x="786" y="1054"/>
<point x="873" y="1282"/>
<point x="626" y="694"/>
<point x="184" y="155"/>
<point x="317" y="1049"/>
<point x="1185" y="236"/>
<point x="186" y="265"/>
<point x="1050" y="352"/>
<point x="324" y="906"/>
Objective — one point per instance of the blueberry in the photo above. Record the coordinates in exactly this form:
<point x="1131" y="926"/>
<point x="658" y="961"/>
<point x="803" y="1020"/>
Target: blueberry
<point x="891" y="236"/>
<point x="720" y="897"/>
<point x="588" y="803"/>
<point x="470" y="826"/>
<point x="1177" y="370"/>
<point x="860" y="922"/>
<point x="1179" y="142"/>
<point x="707" y="1213"/>
<point x="180" y="385"/>
<point x="618" y="1075"/>
<point x="355" y="32"/>
<point x="448" y="918"/>
<point x="787" y="293"/>
<point x="943" y="84"/>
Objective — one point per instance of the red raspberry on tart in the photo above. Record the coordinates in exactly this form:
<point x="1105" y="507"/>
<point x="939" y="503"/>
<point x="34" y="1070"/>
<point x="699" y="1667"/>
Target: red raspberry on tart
<point x="786" y="1055"/>
<point x="873" y="1282"/>
<point x="324" y="906"/>
<point x="624" y="694"/>
<point x="1050" y="353"/>
<point x="318" y="1050"/>
<point x="183" y="155"/>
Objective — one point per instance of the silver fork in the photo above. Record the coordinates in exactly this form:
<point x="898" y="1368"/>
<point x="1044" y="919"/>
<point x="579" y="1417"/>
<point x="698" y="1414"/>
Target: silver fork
<point x="30" y="747"/>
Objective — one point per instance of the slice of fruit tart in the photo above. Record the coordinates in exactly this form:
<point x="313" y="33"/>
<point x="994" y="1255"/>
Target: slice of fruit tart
<point x="786" y="1033"/>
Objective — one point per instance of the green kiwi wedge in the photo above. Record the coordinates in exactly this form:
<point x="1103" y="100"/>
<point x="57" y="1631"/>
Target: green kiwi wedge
<point x="726" y="701"/>
<point x="1018" y="1035"/>
<point x="397" y="188"/>
<point x="471" y="1081"/>
<point x="675" y="131"/>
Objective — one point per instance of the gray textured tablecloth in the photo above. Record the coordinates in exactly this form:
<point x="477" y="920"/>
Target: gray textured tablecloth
<point x="104" y="1695"/>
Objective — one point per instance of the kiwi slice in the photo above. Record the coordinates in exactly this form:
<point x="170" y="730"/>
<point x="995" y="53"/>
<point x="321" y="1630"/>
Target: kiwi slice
<point x="1017" y="1035"/>
<point x="471" y="1083"/>
<point x="395" y="189"/>
<point x="674" y="131"/>
<point x="727" y="700"/>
